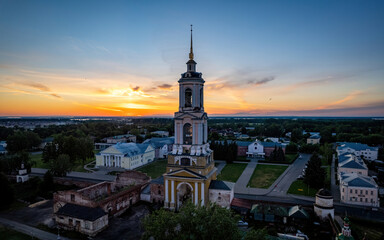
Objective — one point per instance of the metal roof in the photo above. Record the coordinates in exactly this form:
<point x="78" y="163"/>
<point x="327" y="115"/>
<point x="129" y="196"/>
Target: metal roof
<point x="81" y="212"/>
<point x="357" y="180"/>
<point x="221" y="185"/>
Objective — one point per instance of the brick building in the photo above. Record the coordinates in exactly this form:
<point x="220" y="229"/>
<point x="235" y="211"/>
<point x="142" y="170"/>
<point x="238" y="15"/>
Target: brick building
<point x="87" y="210"/>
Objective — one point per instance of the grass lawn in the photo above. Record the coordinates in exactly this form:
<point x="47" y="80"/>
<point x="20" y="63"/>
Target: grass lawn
<point x="37" y="158"/>
<point x="78" y="167"/>
<point x="231" y="172"/>
<point x="290" y="157"/>
<point x="9" y="234"/>
<point x="328" y="177"/>
<point x="298" y="187"/>
<point x="265" y="175"/>
<point x="155" y="169"/>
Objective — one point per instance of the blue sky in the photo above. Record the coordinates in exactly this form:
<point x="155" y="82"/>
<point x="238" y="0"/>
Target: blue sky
<point x="258" y="57"/>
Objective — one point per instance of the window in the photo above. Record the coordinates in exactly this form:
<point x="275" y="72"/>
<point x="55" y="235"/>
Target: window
<point x="201" y="97"/>
<point x="159" y="192"/>
<point x="366" y="200"/>
<point x="361" y="191"/>
<point x="356" y="191"/>
<point x="72" y="197"/>
<point x="185" y="162"/>
<point x="343" y="189"/>
<point x="371" y="192"/>
<point x="350" y="191"/>
<point x="366" y="192"/>
<point x="350" y="199"/>
<point x="188" y="97"/>
<point x="187" y="133"/>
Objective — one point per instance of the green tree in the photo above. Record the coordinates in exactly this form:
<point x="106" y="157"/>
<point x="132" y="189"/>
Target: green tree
<point x="22" y="141"/>
<point x="192" y="222"/>
<point x="314" y="174"/>
<point x="17" y="142"/>
<point x="296" y="135"/>
<point x="7" y="192"/>
<point x="61" y="165"/>
<point x="326" y="152"/>
<point x="47" y="185"/>
<point x="84" y="149"/>
<point x="326" y="135"/>
<point x="291" y="148"/>
<point x="50" y="152"/>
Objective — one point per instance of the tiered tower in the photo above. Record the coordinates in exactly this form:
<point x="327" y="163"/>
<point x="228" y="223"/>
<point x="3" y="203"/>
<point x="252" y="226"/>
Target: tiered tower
<point x="190" y="166"/>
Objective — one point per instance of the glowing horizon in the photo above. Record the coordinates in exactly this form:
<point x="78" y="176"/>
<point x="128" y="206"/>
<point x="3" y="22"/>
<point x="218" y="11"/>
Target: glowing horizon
<point x="317" y="59"/>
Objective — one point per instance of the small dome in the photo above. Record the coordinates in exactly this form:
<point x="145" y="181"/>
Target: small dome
<point x="324" y="193"/>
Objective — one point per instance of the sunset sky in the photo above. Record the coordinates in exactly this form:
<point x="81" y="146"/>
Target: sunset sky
<point x="124" y="58"/>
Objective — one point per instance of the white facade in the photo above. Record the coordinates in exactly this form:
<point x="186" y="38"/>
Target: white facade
<point x="324" y="204"/>
<point x="255" y="149"/>
<point x="350" y="163"/>
<point x="127" y="158"/>
<point x="359" y="190"/>
<point x="369" y="153"/>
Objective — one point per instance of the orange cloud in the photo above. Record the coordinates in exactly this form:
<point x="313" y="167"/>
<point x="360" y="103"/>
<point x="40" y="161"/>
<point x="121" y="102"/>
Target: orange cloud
<point x="350" y="96"/>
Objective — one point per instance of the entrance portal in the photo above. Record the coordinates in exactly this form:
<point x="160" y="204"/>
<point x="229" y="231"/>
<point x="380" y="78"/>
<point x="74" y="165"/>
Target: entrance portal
<point x="184" y="194"/>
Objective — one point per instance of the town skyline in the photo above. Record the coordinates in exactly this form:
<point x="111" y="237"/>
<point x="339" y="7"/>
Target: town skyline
<point x="258" y="59"/>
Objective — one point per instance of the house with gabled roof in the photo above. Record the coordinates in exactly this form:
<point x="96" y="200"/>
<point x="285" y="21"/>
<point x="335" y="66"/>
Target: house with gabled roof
<point x="359" y="149"/>
<point x="358" y="189"/>
<point x="162" y="145"/>
<point x="350" y="163"/>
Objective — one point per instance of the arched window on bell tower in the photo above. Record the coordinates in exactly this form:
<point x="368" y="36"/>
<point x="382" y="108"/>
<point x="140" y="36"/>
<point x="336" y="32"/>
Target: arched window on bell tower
<point x="188" y="97"/>
<point x="201" y="97"/>
<point x="187" y="133"/>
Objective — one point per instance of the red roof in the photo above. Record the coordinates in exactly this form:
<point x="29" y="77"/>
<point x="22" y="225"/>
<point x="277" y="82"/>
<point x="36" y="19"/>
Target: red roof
<point x="243" y="203"/>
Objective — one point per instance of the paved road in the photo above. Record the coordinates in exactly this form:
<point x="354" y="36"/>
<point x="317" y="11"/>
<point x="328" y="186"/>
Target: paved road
<point x="78" y="175"/>
<point x="241" y="184"/>
<point x="334" y="188"/>
<point x="220" y="166"/>
<point x="31" y="231"/>
<point x="340" y="208"/>
<point x="290" y="175"/>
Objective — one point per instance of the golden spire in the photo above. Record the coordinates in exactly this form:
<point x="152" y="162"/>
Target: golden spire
<point x="191" y="50"/>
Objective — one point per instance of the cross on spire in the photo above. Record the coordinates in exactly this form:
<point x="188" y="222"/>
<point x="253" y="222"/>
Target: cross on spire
<point x="191" y="50"/>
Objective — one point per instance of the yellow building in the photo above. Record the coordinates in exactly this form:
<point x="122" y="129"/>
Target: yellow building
<point x="191" y="167"/>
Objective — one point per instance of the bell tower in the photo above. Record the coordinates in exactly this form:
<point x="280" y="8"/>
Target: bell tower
<point x="190" y="166"/>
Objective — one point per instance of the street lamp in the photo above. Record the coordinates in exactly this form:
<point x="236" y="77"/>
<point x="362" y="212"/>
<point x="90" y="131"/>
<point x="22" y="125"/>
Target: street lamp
<point x="58" y="233"/>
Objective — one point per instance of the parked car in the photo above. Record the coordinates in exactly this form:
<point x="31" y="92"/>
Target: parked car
<point x="300" y="177"/>
<point x="241" y="223"/>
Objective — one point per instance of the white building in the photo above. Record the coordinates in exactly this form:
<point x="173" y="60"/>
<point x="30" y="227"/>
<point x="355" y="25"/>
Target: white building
<point x="161" y="133"/>
<point x="126" y="155"/>
<point x="358" y="189"/>
<point x="162" y="146"/>
<point x="221" y="193"/>
<point x="350" y="163"/>
<point x="324" y="204"/>
<point x="255" y="149"/>
<point x="272" y="139"/>
<point x="359" y="149"/>
<point x="313" y="139"/>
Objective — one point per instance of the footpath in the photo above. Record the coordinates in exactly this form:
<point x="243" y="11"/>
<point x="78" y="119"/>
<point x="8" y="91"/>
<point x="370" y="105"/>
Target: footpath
<point x="30" y="231"/>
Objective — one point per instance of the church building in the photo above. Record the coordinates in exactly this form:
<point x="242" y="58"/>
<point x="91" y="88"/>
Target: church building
<point x="191" y="170"/>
